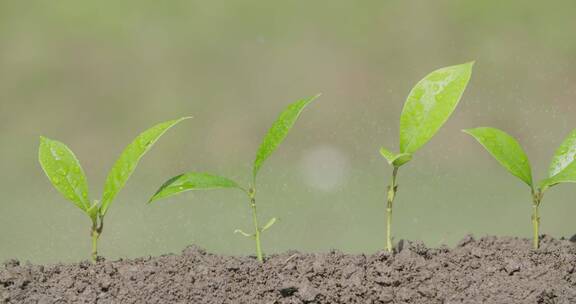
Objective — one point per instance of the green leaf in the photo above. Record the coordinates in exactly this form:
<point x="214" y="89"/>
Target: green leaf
<point x="395" y="160"/>
<point x="129" y="159"/>
<point x="239" y="231"/>
<point x="389" y="156"/>
<point x="565" y="155"/>
<point x="270" y="223"/>
<point x="563" y="166"/>
<point x="568" y="175"/>
<point x="192" y="181"/>
<point x="279" y="130"/>
<point x="506" y="150"/>
<point x="64" y="171"/>
<point x="430" y="103"/>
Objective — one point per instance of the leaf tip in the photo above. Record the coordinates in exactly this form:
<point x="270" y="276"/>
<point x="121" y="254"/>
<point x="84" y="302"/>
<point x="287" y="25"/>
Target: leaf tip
<point x="312" y="98"/>
<point x="153" y="198"/>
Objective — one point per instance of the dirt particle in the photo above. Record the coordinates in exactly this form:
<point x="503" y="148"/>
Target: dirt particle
<point x="512" y="266"/>
<point x="466" y="240"/>
<point x="307" y="293"/>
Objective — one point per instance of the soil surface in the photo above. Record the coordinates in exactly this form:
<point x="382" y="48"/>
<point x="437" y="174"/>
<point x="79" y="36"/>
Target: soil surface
<point x="488" y="270"/>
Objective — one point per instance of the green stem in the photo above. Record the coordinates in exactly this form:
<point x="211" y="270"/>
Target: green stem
<point x="95" y="236"/>
<point x="392" y="189"/>
<point x="95" y="233"/>
<point x="259" y="255"/>
<point x="536" y="199"/>
<point x="536" y="227"/>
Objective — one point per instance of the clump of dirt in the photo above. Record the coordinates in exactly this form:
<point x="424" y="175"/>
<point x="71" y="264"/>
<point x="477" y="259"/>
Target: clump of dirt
<point x="488" y="270"/>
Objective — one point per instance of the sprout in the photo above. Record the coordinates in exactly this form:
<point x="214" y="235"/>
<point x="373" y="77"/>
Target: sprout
<point x="67" y="176"/>
<point x="508" y="152"/>
<point x="202" y="181"/>
<point x="427" y="108"/>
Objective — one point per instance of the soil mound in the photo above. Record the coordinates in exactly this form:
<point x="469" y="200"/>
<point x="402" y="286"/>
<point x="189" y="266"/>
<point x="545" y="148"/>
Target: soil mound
<point x="488" y="270"/>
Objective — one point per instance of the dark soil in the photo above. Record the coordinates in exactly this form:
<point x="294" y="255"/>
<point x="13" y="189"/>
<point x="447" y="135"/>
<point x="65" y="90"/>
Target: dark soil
<point x="489" y="270"/>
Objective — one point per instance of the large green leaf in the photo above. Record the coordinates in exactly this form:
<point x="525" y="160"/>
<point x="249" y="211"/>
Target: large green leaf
<point x="506" y="150"/>
<point x="64" y="171"/>
<point x="565" y="154"/>
<point x="192" y="181"/>
<point x="430" y="103"/>
<point x="129" y="159"/>
<point x="279" y="130"/>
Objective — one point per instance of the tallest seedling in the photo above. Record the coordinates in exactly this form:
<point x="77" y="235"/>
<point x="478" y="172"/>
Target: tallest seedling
<point x="199" y="181"/>
<point x="427" y="108"/>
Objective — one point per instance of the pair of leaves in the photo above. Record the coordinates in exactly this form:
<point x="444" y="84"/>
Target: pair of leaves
<point x="428" y="106"/>
<point x="508" y="152"/>
<point x="395" y="160"/>
<point x="269" y="224"/>
<point x="274" y="137"/>
<point x="67" y="176"/>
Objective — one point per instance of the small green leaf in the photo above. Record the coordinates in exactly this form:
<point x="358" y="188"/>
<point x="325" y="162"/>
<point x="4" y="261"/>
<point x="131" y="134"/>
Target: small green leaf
<point x="64" y="171"/>
<point x="279" y="130"/>
<point x="430" y="103"/>
<point x="129" y="159"/>
<point x="564" y="156"/>
<point x="389" y="156"/>
<point x="395" y="160"/>
<point x="239" y="231"/>
<point x="568" y="175"/>
<point x="192" y="181"/>
<point x="93" y="211"/>
<point x="506" y="150"/>
<point x="270" y="223"/>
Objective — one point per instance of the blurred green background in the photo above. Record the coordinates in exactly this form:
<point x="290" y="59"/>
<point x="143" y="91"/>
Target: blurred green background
<point x="95" y="74"/>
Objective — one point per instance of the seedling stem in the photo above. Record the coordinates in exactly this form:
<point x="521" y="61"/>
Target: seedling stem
<point x="95" y="233"/>
<point x="252" y="196"/>
<point x="536" y="199"/>
<point x="392" y="189"/>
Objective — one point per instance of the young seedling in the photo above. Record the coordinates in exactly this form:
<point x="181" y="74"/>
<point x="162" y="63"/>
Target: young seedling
<point x="428" y="106"/>
<point x="67" y="176"/>
<point x="508" y="152"/>
<point x="202" y="181"/>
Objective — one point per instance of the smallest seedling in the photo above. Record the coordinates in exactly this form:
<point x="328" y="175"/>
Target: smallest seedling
<point x="508" y="152"/>
<point x="203" y="181"/>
